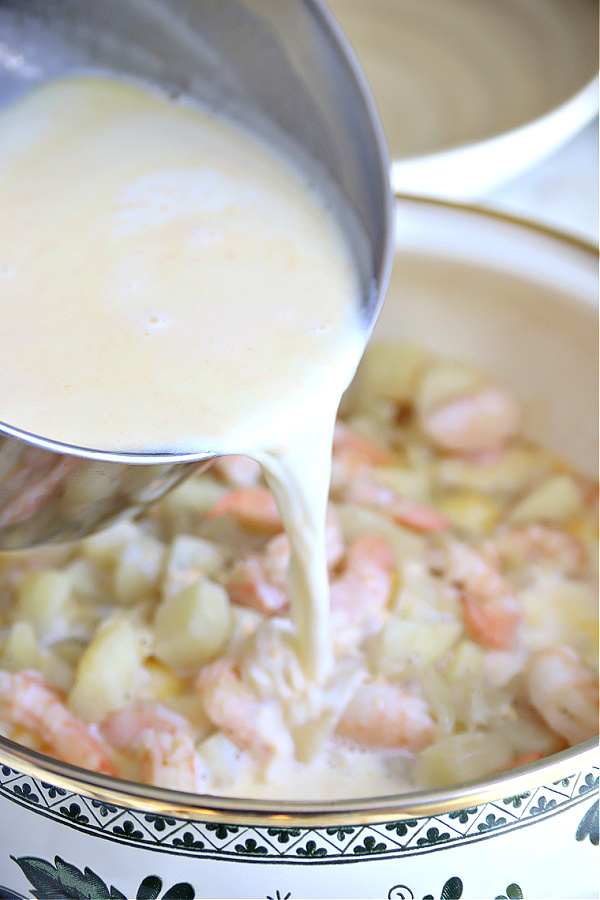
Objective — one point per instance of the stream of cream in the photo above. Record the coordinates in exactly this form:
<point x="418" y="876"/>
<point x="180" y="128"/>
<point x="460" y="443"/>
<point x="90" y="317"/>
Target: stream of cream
<point x="169" y="284"/>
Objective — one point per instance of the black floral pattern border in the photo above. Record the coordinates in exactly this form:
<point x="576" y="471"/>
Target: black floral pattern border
<point x="169" y="834"/>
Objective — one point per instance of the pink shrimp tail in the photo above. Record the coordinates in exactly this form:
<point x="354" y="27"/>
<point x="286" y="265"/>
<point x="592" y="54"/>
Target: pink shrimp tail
<point x="493" y="624"/>
<point x="419" y="517"/>
<point x="252" y="507"/>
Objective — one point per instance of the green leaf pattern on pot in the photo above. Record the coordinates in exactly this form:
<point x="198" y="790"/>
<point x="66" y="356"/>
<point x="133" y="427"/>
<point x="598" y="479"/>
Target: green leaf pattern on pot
<point x="433" y="836"/>
<point x="369" y="845"/>
<point x="543" y="805"/>
<point x="588" y="827"/>
<point x="463" y="815"/>
<point x="105" y="809"/>
<point x="590" y="783"/>
<point x="26" y="793"/>
<point x="491" y="821"/>
<point x="517" y="799"/>
<point x="513" y="892"/>
<point x="63" y="879"/>
<point x="283" y="835"/>
<point x="159" y="822"/>
<point x="252" y="847"/>
<point x="53" y="791"/>
<point x="189" y="842"/>
<point x="401" y="828"/>
<point x="341" y="832"/>
<point x="73" y="812"/>
<point x="311" y="850"/>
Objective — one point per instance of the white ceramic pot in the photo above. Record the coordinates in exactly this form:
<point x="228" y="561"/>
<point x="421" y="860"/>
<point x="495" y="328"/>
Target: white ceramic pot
<point x="522" y="302"/>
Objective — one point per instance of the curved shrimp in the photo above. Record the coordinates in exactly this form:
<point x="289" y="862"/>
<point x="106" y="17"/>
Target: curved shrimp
<point x="473" y="424"/>
<point x="253" y="724"/>
<point x="361" y="594"/>
<point x="525" y="759"/>
<point x="259" y="580"/>
<point x="564" y="692"/>
<point x="418" y="516"/>
<point x="354" y="454"/>
<point x="26" y="700"/>
<point x="356" y="451"/>
<point x="252" y="507"/>
<point x="381" y="714"/>
<point x="160" y="739"/>
<point x="490" y="610"/>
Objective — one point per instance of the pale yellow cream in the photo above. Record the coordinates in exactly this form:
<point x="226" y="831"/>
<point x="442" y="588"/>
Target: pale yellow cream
<point x="169" y="284"/>
<point x="166" y="282"/>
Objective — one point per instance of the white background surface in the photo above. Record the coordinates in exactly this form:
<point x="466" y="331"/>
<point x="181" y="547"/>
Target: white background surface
<point x="561" y="191"/>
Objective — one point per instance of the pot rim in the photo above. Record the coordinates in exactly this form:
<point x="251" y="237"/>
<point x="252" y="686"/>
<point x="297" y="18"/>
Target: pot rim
<point x="290" y="813"/>
<point x="580" y="242"/>
<point x="282" y="813"/>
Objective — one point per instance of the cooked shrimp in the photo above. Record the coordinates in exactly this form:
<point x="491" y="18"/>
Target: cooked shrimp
<point x="259" y="580"/>
<point x="160" y="739"/>
<point x="252" y="507"/>
<point x="250" y="722"/>
<point x="382" y="714"/>
<point x="526" y="758"/>
<point x="490" y="610"/>
<point x="409" y="513"/>
<point x="564" y="692"/>
<point x="357" y="450"/>
<point x="238" y="471"/>
<point x="543" y="544"/>
<point x="473" y="424"/>
<point x="354" y="454"/>
<point x="361" y="594"/>
<point x="26" y="700"/>
<point x="493" y="623"/>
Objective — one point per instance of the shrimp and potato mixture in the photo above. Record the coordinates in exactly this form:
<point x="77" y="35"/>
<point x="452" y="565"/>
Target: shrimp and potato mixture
<point x="464" y="625"/>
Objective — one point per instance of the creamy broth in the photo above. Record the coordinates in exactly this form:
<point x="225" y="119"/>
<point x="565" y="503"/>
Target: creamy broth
<point x="168" y="284"/>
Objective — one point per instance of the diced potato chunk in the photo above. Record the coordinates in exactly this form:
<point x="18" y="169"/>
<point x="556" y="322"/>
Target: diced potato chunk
<point x="469" y="512"/>
<point x="161" y="681"/>
<point x="559" y="610"/>
<point x="194" y="625"/>
<point x="557" y="499"/>
<point x="138" y="569"/>
<point x="389" y="370"/>
<point x="21" y="649"/>
<point x="402" y="643"/>
<point x="445" y="381"/>
<point x="110" y="671"/>
<point x="188" y="558"/>
<point x="467" y="664"/>
<point x="510" y="474"/>
<point x="105" y="547"/>
<point x="223" y="759"/>
<point x="183" y="508"/>
<point x="358" y="520"/>
<point x="528" y="734"/>
<point x="42" y="598"/>
<point x="412" y="483"/>
<point x="464" y="757"/>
